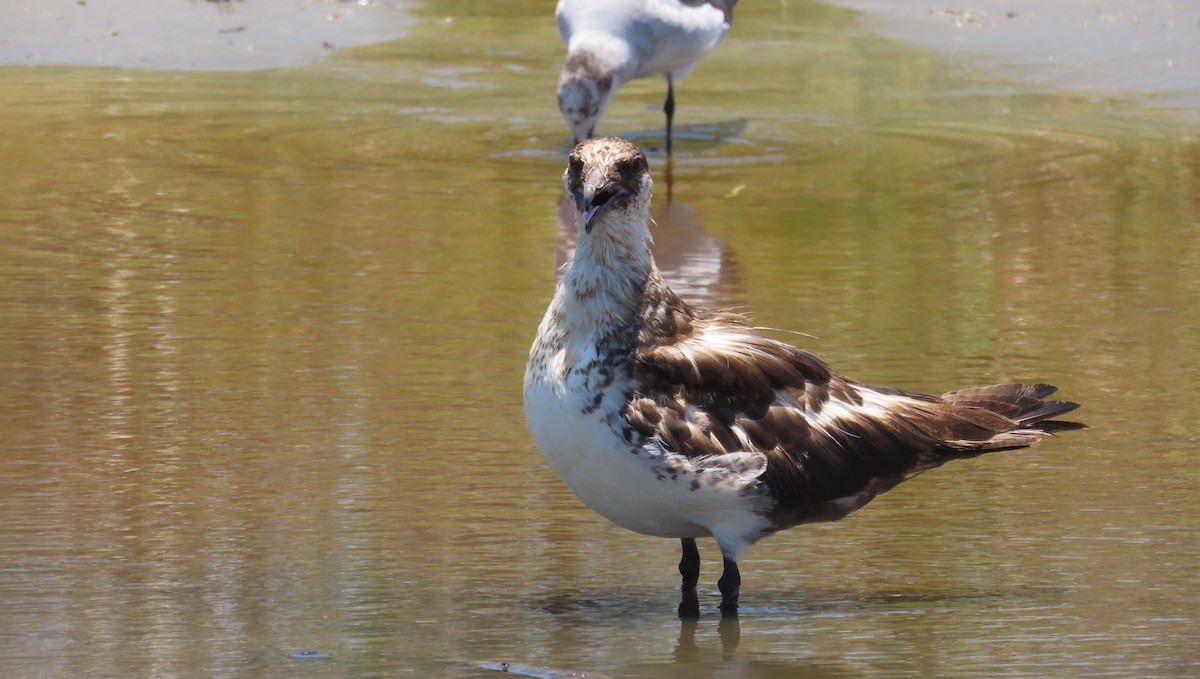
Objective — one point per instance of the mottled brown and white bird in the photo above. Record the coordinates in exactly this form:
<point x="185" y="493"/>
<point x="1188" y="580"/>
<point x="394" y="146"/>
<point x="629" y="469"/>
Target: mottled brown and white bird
<point x="682" y="422"/>
<point x="610" y="42"/>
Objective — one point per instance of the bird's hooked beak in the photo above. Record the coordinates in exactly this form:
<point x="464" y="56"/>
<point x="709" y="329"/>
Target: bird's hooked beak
<point x="593" y="202"/>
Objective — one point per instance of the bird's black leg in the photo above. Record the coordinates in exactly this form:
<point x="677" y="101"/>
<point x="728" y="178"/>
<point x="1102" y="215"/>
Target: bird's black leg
<point x="669" y="109"/>
<point x="729" y="584"/>
<point x="689" y="565"/>
<point x="668" y="175"/>
<point x="689" y="568"/>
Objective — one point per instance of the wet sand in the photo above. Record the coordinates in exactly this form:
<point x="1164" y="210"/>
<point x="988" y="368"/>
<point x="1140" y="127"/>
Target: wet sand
<point x="226" y="35"/>
<point x="1145" y="49"/>
<point x="1149" y="49"/>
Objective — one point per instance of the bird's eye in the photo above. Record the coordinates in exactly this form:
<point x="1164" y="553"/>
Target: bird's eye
<point x="628" y="167"/>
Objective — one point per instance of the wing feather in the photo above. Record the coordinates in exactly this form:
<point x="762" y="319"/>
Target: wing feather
<point x="711" y="386"/>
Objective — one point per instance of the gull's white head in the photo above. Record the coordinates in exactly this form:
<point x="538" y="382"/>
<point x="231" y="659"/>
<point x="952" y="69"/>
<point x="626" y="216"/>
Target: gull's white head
<point x="585" y="88"/>
<point x="608" y="179"/>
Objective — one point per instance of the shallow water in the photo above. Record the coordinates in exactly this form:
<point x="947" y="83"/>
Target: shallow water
<point x="263" y="336"/>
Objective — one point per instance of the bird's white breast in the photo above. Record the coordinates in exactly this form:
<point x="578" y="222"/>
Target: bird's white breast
<point x="641" y="488"/>
<point x="585" y="450"/>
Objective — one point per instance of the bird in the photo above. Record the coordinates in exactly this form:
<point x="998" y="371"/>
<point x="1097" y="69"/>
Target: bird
<point x="610" y="42"/>
<point x="685" y="422"/>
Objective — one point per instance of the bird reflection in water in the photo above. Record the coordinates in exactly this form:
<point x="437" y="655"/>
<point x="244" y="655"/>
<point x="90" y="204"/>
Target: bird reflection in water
<point x="695" y="263"/>
<point x="701" y="655"/>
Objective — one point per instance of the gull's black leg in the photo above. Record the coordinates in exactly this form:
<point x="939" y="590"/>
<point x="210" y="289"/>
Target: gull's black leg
<point x="689" y="565"/>
<point x="729" y="584"/>
<point x="668" y="176"/>
<point x="669" y="109"/>
<point x="689" y="568"/>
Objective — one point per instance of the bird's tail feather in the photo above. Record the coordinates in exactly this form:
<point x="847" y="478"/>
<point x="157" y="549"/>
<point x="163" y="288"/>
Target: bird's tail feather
<point x="1025" y="415"/>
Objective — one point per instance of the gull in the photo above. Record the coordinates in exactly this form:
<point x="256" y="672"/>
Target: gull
<point x="610" y="42"/>
<point x="684" y="422"/>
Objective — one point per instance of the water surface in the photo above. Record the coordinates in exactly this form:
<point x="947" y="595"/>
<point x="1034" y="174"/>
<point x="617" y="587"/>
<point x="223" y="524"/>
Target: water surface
<point x="262" y="338"/>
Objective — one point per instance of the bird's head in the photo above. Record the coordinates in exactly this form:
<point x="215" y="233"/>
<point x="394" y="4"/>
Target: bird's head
<point x="609" y="181"/>
<point x="584" y="90"/>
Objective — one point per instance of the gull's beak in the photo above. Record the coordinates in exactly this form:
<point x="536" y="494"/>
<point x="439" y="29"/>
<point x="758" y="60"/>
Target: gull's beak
<point x="594" y="202"/>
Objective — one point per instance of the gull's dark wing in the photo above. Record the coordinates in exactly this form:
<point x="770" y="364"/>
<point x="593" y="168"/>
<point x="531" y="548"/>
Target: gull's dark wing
<point x="710" y="385"/>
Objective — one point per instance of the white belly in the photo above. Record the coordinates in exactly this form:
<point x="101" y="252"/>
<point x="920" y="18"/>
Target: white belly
<point x="635" y="491"/>
<point x="593" y="460"/>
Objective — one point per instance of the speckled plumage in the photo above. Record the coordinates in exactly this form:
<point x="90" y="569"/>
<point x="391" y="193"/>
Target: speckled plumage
<point x="678" y="421"/>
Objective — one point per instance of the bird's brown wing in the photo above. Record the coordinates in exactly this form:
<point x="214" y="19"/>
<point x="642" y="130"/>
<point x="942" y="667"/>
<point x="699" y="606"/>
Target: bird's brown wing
<point x="709" y="385"/>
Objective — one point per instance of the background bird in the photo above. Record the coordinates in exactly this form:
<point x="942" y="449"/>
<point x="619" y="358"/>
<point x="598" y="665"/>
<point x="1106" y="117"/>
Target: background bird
<point x="684" y="422"/>
<point x="610" y="42"/>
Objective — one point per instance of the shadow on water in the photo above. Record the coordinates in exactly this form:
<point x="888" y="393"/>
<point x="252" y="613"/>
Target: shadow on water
<point x="787" y="606"/>
<point x="612" y="606"/>
<point x="694" y="142"/>
<point x="789" y="637"/>
<point x="694" y="138"/>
